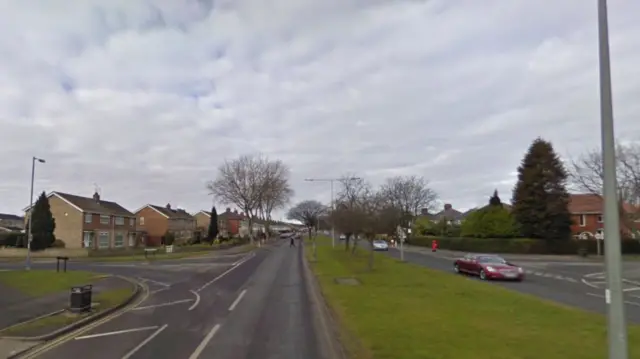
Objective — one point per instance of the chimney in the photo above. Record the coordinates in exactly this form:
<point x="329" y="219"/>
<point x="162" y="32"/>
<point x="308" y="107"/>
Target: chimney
<point x="447" y="207"/>
<point x="235" y="211"/>
<point x="424" y="211"/>
<point x="228" y="210"/>
<point x="168" y="205"/>
<point x="96" y="196"/>
<point x="242" y="214"/>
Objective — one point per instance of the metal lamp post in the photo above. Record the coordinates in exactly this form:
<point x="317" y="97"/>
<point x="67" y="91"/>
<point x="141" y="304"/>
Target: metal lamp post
<point x="29" y="234"/>
<point x="331" y="180"/>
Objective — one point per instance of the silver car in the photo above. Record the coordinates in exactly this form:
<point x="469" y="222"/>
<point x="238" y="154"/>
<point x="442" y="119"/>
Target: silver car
<point x="380" y="245"/>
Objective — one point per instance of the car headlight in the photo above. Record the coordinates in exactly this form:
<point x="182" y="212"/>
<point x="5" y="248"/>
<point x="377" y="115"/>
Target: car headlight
<point x="520" y="270"/>
<point x="491" y="269"/>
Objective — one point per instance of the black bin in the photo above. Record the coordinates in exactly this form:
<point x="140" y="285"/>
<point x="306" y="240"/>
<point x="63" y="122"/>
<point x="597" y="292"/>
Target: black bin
<point x="80" y="300"/>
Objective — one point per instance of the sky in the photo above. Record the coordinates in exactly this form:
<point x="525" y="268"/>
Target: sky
<point x="145" y="99"/>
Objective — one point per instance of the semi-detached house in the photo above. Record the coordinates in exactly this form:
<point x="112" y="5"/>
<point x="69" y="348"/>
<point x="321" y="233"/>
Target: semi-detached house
<point x="90" y="222"/>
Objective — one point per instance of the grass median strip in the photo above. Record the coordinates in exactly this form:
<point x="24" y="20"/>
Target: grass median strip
<point x="36" y="283"/>
<point x="400" y="310"/>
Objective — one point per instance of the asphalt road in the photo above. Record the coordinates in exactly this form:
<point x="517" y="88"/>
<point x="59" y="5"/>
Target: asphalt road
<point x="251" y="306"/>
<point x="573" y="282"/>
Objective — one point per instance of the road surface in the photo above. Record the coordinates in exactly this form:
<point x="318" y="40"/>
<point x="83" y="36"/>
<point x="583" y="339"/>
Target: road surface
<point x="570" y="281"/>
<point x="250" y="306"/>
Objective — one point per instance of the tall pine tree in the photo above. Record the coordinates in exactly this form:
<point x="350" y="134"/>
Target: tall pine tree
<point x="540" y="198"/>
<point x="495" y="199"/>
<point x="213" y="231"/>
<point x="43" y="224"/>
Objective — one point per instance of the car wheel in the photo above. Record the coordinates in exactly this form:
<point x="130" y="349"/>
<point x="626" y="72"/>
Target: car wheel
<point x="483" y="275"/>
<point x="456" y="268"/>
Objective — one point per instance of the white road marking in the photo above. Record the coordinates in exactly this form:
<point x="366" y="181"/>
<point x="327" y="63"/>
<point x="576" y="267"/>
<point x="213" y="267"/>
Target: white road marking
<point x="602" y="296"/>
<point x="163" y="304"/>
<point x="196" y="353"/>
<point x="159" y="290"/>
<point x="154" y="282"/>
<point x="571" y="280"/>
<point x="144" y="342"/>
<point x="631" y="289"/>
<point x="236" y="265"/>
<point x="195" y="304"/>
<point x="235" y="302"/>
<point x="115" y="333"/>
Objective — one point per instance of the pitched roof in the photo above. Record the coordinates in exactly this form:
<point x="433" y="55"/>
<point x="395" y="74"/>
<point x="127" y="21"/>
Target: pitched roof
<point x="172" y="213"/>
<point x="92" y="205"/>
<point x="10" y="217"/>
<point x="591" y="203"/>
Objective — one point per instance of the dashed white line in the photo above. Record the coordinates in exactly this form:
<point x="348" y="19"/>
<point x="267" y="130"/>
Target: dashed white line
<point x="204" y="342"/>
<point x="144" y="342"/>
<point x="235" y="302"/>
<point x="117" y="332"/>
<point x="163" y="304"/>
<point x="235" y="265"/>
<point x="195" y="304"/>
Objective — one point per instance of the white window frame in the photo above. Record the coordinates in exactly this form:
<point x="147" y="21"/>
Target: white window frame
<point x="103" y="217"/>
<point x="87" y="236"/>
<point x="101" y="243"/>
<point x="88" y="218"/>
<point x="132" y="221"/>
<point x="115" y="240"/>
<point x="583" y="220"/>
<point x="141" y="221"/>
<point x="119" y="221"/>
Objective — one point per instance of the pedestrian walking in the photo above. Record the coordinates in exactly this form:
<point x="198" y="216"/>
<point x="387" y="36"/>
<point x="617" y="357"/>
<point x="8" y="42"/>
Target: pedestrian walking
<point x="292" y="243"/>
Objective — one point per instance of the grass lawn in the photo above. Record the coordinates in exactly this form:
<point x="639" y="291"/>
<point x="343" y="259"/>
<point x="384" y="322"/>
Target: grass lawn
<point x="403" y="311"/>
<point x="41" y="282"/>
<point x="106" y="300"/>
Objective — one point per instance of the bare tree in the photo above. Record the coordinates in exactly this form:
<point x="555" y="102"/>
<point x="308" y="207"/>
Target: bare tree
<point x="407" y="195"/>
<point x="586" y="173"/>
<point x="254" y="184"/>
<point x="348" y="216"/>
<point x="308" y="213"/>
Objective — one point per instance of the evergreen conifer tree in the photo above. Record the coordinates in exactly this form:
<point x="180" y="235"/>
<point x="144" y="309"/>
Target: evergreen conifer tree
<point x="42" y="224"/>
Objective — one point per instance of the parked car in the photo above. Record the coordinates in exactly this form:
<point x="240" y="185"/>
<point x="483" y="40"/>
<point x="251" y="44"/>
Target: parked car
<point x="343" y="237"/>
<point x="380" y="245"/>
<point x="488" y="267"/>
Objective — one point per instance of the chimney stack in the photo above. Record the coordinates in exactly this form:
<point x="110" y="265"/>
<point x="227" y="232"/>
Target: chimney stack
<point x="228" y="210"/>
<point x="447" y="207"/>
<point x="168" y="205"/>
<point x="424" y="211"/>
<point x="96" y="196"/>
<point x="235" y="211"/>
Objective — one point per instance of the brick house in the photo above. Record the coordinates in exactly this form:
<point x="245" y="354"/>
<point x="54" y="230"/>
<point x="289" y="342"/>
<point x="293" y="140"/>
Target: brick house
<point x="155" y="221"/>
<point x="230" y="221"/>
<point x="588" y="220"/>
<point x="90" y="222"/>
<point x="449" y="214"/>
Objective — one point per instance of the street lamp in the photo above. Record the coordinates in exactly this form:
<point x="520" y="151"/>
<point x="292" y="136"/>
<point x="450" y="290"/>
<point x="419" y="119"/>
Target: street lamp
<point x="617" y="329"/>
<point x="29" y="234"/>
<point x="331" y="180"/>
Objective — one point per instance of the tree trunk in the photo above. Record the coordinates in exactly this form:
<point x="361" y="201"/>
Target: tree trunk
<point x="371" y="255"/>
<point x="355" y="244"/>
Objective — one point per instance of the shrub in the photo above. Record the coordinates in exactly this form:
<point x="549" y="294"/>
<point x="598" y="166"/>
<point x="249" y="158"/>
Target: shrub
<point x="490" y="222"/>
<point x="168" y="238"/>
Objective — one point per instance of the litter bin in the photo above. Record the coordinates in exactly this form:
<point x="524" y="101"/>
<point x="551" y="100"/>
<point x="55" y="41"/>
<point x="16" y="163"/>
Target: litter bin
<point x="80" y="300"/>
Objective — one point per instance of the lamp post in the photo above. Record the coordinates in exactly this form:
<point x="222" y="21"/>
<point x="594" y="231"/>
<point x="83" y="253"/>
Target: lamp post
<point x="616" y="326"/>
<point x="331" y="180"/>
<point x="29" y="234"/>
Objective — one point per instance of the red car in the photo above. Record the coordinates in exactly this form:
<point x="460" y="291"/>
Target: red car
<point x="488" y="267"/>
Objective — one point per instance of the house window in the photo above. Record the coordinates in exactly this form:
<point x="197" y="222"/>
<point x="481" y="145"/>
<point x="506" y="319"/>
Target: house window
<point x="104" y="219"/>
<point x="103" y="240"/>
<point x="132" y="221"/>
<point x="583" y="220"/>
<point x="119" y="240"/>
<point x="141" y="220"/>
<point x="88" y="217"/>
<point x="600" y="220"/>
<point x="120" y="221"/>
<point x="87" y="240"/>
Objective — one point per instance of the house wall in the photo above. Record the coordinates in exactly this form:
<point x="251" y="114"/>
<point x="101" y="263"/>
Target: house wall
<point x="153" y="223"/>
<point x="591" y="223"/>
<point x="68" y="222"/>
<point x="202" y="220"/>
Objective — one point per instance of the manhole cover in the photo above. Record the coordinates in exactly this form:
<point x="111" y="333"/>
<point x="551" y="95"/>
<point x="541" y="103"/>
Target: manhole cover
<point x="347" y="281"/>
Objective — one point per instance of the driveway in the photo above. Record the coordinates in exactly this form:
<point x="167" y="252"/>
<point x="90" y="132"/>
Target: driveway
<point x="561" y="279"/>
<point x="249" y="306"/>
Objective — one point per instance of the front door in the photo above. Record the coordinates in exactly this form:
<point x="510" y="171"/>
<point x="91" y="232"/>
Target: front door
<point x="132" y="239"/>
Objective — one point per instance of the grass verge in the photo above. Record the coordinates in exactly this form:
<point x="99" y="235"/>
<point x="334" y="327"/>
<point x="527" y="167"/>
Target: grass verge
<point x="37" y="283"/>
<point x="401" y="310"/>
<point x="105" y="300"/>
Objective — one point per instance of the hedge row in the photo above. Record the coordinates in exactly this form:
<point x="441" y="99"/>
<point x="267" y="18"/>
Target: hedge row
<point x="520" y="245"/>
<point x="12" y="239"/>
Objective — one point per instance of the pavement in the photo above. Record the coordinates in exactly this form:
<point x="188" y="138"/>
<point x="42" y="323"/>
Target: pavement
<point x="245" y="306"/>
<point x="568" y="280"/>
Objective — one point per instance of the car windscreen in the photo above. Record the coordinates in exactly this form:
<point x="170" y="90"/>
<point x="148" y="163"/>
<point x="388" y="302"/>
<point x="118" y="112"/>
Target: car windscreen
<point x="491" y="259"/>
<point x="379" y="241"/>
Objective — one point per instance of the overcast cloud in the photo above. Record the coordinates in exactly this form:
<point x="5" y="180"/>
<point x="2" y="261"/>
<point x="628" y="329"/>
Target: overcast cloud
<point x="146" y="98"/>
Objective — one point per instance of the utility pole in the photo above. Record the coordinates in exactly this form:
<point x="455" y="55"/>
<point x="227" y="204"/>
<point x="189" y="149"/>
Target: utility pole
<point x="29" y="234"/>
<point x="616" y="323"/>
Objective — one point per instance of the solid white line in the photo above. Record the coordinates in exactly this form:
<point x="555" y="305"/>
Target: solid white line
<point x="592" y="285"/>
<point x="164" y="304"/>
<point x="204" y="342"/>
<point x="626" y="301"/>
<point x="154" y="282"/>
<point x="631" y="289"/>
<point x="195" y="304"/>
<point x="235" y="302"/>
<point x="144" y="342"/>
<point x="158" y="290"/>
<point x="239" y="263"/>
<point x="115" y="333"/>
